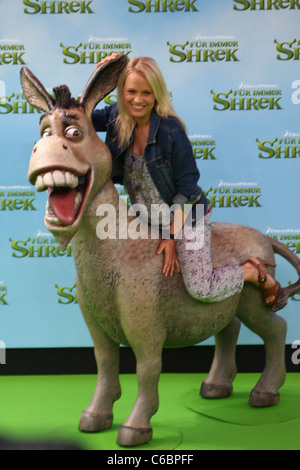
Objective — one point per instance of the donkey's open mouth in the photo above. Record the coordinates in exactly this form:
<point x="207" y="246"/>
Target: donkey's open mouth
<point x="67" y="194"/>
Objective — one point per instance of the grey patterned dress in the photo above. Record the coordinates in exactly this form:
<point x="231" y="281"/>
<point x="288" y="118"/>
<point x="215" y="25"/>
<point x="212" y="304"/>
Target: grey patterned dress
<point x="202" y="280"/>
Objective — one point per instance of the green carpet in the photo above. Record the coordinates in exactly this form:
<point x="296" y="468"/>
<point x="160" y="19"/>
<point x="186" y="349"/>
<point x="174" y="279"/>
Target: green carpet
<point x="49" y="407"/>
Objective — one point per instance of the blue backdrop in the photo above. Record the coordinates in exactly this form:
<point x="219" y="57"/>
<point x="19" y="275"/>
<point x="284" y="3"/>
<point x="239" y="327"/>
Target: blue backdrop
<point x="232" y="69"/>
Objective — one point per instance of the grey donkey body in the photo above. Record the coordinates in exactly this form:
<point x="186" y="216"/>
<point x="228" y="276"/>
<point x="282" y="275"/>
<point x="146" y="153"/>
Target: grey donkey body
<point x="122" y="293"/>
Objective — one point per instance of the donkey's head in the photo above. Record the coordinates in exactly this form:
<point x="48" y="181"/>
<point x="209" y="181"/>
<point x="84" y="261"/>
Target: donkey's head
<point x="70" y="161"/>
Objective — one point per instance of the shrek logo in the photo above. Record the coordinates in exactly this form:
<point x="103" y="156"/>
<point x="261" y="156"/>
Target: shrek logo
<point x="289" y="237"/>
<point x="38" y="247"/>
<point x="3" y="294"/>
<point x="93" y="52"/>
<point x="228" y="194"/>
<point x="66" y="295"/>
<point x="16" y="104"/>
<point x="12" y="54"/>
<point x="281" y="147"/>
<point x="288" y="50"/>
<point x="204" y="51"/>
<point x="203" y="147"/>
<point x="247" y="100"/>
<point x="57" y="7"/>
<point x="241" y="5"/>
<point x="17" y="200"/>
<point x="161" y="6"/>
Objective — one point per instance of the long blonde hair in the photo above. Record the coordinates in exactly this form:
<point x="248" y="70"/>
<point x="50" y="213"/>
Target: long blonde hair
<point x="147" y="68"/>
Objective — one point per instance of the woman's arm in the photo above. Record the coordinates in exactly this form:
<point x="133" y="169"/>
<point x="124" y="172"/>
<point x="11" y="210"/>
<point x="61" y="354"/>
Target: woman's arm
<point x="185" y="170"/>
<point x="186" y="176"/>
<point x="168" y="246"/>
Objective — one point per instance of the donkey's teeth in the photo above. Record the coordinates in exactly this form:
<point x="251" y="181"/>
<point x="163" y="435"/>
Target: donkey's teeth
<point x="78" y="199"/>
<point x="58" y="178"/>
<point x="48" y="179"/>
<point x="39" y="184"/>
<point x="65" y="195"/>
<point x="71" y="180"/>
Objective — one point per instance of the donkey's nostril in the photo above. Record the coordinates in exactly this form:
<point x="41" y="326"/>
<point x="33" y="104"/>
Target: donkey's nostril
<point x="65" y="146"/>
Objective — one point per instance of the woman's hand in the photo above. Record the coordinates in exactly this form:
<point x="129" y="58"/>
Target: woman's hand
<point x="171" y="263"/>
<point x="108" y="58"/>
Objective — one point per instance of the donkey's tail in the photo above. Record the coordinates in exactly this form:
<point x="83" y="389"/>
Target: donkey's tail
<point x="288" y="291"/>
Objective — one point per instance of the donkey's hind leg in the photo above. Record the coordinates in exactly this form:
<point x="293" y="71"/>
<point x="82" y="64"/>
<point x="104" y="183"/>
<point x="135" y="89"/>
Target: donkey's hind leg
<point x="218" y="383"/>
<point x="272" y="329"/>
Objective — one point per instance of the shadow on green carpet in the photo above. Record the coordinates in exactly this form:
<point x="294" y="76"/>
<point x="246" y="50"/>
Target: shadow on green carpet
<point x="236" y="410"/>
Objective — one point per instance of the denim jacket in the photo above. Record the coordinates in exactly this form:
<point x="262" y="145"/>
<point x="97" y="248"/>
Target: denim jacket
<point x="168" y="156"/>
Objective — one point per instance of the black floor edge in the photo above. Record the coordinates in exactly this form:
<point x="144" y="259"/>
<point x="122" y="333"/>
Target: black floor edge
<point x="50" y="361"/>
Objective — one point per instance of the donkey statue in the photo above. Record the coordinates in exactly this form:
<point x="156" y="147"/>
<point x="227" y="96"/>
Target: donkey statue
<point x="122" y="293"/>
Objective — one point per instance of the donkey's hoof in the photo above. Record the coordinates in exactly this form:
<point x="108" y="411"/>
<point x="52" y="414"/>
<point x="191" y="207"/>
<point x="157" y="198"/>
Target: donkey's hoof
<point x="131" y="437"/>
<point x="261" y="399"/>
<point x="215" y="391"/>
<point x="94" y="423"/>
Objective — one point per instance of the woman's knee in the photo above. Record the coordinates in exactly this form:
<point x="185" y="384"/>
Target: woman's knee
<point x="198" y="290"/>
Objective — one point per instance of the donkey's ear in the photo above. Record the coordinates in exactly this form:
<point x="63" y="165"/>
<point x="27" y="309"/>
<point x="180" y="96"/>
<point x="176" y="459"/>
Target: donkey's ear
<point x="102" y="82"/>
<point x="34" y="91"/>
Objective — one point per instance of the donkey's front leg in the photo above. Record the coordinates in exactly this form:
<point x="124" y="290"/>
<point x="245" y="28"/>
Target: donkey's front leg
<point x="98" y="415"/>
<point x="137" y="429"/>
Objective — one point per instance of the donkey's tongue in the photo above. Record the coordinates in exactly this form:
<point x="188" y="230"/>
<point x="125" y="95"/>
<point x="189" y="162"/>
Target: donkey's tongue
<point x="63" y="204"/>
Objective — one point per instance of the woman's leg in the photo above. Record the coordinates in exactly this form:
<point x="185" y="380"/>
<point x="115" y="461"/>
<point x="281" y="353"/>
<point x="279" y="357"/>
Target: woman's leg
<point x="202" y="280"/>
<point x="255" y="271"/>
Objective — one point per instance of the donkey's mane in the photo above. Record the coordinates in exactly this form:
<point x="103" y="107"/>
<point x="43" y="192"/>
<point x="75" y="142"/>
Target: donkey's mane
<point x="63" y="98"/>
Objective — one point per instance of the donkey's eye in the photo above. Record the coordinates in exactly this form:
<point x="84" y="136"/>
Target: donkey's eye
<point x="73" y="133"/>
<point x="46" y="133"/>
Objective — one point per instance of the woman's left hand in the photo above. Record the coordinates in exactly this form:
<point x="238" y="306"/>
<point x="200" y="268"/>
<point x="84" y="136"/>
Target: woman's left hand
<point x="171" y="263"/>
<point x="108" y="58"/>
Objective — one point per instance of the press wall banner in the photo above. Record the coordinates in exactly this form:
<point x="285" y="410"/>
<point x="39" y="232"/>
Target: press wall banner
<point x="233" y="72"/>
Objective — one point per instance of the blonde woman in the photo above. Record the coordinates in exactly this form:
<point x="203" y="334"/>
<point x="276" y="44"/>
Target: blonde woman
<point x="153" y="158"/>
